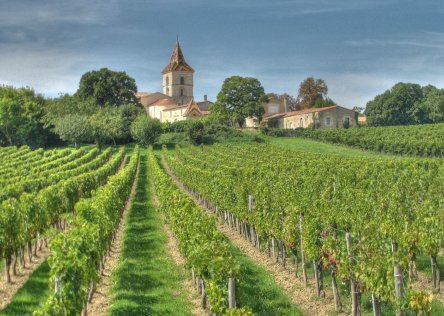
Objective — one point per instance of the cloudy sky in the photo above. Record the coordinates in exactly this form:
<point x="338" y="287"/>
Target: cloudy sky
<point x="360" y="47"/>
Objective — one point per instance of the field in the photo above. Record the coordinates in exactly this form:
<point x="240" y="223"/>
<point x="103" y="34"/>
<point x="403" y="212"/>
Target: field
<point x="412" y="140"/>
<point x="287" y="227"/>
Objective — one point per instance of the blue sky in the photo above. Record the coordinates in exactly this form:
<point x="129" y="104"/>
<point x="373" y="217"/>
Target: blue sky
<point x="361" y="48"/>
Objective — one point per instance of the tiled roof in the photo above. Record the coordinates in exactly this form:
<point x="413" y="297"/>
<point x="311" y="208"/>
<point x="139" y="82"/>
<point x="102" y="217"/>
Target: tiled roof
<point x="311" y="110"/>
<point x="177" y="61"/>
<point x="163" y="102"/>
<point x="274" y="116"/>
<point x="144" y="94"/>
<point x="175" y="108"/>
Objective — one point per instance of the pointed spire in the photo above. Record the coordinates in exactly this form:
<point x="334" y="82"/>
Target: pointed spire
<point x="177" y="61"/>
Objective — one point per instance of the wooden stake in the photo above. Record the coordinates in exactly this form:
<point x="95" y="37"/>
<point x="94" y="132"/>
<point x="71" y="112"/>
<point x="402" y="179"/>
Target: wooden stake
<point x="356" y="308"/>
<point x="231" y="293"/>
<point x="304" y="266"/>
<point x="399" y="286"/>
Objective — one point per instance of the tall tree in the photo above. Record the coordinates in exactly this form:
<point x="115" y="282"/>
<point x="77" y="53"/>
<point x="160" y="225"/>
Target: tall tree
<point x="310" y="91"/>
<point x="107" y="87"/>
<point x="395" y="106"/>
<point x="21" y="113"/>
<point x="239" y="98"/>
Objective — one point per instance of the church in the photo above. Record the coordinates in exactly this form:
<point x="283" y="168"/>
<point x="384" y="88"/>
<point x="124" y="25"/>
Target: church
<point x="176" y="101"/>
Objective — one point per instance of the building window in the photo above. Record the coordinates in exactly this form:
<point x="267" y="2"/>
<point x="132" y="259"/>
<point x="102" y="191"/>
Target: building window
<point x="328" y="121"/>
<point x="301" y="122"/>
<point x="291" y="124"/>
<point x="181" y="92"/>
<point x="182" y="80"/>
<point x="167" y="81"/>
<point x="168" y="91"/>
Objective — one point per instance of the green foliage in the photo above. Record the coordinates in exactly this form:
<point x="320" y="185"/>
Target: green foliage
<point x="239" y="98"/>
<point x="77" y="253"/>
<point x="74" y="128"/>
<point x="21" y="114"/>
<point x="205" y="249"/>
<point x="107" y="87"/>
<point x="146" y="130"/>
<point x="415" y="140"/>
<point x="406" y="103"/>
<point x="378" y="201"/>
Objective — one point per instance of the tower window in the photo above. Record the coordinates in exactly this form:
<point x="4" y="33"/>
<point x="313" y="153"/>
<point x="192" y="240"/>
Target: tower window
<point x="182" y="80"/>
<point x="181" y="92"/>
<point x="167" y="81"/>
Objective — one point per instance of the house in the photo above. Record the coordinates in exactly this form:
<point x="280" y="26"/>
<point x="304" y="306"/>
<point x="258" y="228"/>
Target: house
<point x="273" y="106"/>
<point x="327" y="117"/>
<point x="176" y="102"/>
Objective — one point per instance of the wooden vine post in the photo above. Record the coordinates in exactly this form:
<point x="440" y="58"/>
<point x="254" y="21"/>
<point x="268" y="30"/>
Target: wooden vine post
<point x="356" y="308"/>
<point x="303" y="265"/>
<point x="435" y="274"/>
<point x="231" y="293"/>
<point x="399" y="286"/>
<point x="250" y="209"/>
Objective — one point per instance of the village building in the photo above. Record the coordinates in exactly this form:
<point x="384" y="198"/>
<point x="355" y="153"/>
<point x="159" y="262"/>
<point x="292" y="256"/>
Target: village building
<point x="327" y="117"/>
<point x="176" y="101"/>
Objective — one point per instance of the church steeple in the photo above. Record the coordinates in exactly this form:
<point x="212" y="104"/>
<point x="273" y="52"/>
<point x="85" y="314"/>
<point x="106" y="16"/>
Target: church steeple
<point x="178" y="77"/>
<point x="177" y="61"/>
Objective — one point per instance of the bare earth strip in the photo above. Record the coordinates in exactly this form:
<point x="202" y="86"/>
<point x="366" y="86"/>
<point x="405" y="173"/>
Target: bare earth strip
<point x="305" y="297"/>
<point x="7" y="291"/>
<point x="424" y="283"/>
<point x="100" y="299"/>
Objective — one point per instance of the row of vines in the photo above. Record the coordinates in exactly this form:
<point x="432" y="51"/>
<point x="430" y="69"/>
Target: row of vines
<point x="415" y="140"/>
<point x="28" y="217"/>
<point x="364" y="221"/>
<point x="206" y="250"/>
<point x="78" y="254"/>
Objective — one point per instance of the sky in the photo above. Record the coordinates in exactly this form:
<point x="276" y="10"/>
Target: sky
<point x="359" y="47"/>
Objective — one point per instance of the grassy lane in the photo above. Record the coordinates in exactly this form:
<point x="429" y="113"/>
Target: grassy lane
<point x="147" y="281"/>
<point x="313" y="146"/>
<point x="258" y="290"/>
<point x="29" y="297"/>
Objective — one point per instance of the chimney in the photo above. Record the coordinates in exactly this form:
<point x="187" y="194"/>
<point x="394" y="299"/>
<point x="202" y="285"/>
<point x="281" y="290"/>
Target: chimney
<point x="205" y="98"/>
<point x="285" y="104"/>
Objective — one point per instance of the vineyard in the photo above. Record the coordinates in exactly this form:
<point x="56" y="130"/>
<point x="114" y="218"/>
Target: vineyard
<point x="230" y="229"/>
<point x="415" y="140"/>
<point x="364" y="222"/>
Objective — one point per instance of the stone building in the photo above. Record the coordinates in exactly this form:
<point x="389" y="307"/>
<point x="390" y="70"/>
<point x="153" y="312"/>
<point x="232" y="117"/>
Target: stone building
<point x="272" y="107"/>
<point x="176" y="102"/>
<point x="328" y="117"/>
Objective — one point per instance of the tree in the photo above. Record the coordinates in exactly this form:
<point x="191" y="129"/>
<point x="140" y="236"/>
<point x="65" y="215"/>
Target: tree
<point x="310" y="91"/>
<point x="106" y="125"/>
<point x="239" y="98"/>
<point x="395" y="106"/>
<point x="107" y="87"/>
<point x="146" y="130"/>
<point x="21" y="114"/>
<point x="74" y="128"/>
<point x="292" y="102"/>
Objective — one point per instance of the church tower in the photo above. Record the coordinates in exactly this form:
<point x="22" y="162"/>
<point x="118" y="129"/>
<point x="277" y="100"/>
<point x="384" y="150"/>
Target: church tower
<point x="178" y="77"/>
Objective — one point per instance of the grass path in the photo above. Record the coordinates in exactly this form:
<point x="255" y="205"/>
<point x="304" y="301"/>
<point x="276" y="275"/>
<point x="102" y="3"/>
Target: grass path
<point x="29" y="297"/>
<point x="146" y="280"/>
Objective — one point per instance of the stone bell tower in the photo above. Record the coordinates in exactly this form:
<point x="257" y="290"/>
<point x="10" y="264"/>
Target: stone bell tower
<point x="178" y="77"/>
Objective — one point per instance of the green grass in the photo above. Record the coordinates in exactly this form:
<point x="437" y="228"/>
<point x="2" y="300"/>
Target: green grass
<point x="31" y="295"/>
<point x="147" y="281"/>
<point x="258" y="290"/>
<point x="308" y="145"/>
